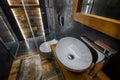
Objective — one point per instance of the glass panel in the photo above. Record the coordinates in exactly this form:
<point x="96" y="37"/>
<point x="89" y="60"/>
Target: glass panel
<point x="34" y="19"/>
<point x="21" y="19"/>
<point x="86" y="9"/>
<point x="105" y="8"/>
<point x="28" y="16"/>
<point x="7" y="36"/>
<point x="4" y="30"/>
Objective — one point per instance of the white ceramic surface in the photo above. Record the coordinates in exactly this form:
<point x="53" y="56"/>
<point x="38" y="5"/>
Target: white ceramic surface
<point x="100" y="56"/>
<point x="45" y="47"/>
<point x="73" y="54"/>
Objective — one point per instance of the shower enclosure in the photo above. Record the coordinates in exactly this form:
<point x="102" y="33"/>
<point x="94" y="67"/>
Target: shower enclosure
<point x="7" y="37"/>
<point x="34" y="19"/>
<point x="28" y="16"/>
<point x="9" y="46"/>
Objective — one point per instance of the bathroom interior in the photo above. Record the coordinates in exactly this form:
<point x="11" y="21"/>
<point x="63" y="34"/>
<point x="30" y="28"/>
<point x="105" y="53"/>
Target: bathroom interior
<point x="37" y="28"/>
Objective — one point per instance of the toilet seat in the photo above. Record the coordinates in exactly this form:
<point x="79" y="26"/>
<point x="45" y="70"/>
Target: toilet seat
<point x="45" y="46"/>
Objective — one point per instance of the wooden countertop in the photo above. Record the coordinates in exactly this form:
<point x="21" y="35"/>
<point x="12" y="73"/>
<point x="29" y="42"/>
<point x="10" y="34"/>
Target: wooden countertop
<point x="48" y="68"/>
<point x="68" y="75"/>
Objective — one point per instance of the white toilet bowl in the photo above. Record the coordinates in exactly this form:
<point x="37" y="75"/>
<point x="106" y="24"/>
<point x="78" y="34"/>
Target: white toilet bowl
<point x="45" y="47"/>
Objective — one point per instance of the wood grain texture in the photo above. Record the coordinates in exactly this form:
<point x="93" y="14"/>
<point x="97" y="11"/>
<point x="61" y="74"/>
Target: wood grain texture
<point x="105" y="25"/>
<point x="30" y="68"/>
<point x="77" y="75"/>
<point x="98" y="66"/>
<point x="107" y="47"/>
<point x="75" y="7"/>
<point x="50" y="70"/>
<point x="16" y="65"/>
<point x="19" y="3"/>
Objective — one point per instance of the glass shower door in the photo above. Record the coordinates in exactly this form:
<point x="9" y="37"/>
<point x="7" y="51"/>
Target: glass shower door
<point x="28" y="16"/>
<point x="7" y="36"/>
<point x="34" y="19"/>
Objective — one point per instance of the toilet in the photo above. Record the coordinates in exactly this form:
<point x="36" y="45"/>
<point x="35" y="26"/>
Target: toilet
<point x="45" y="47"/>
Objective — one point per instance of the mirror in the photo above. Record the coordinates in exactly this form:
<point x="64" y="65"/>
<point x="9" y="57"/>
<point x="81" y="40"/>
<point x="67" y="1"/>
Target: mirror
<point x="105" y="8"/>
<point x="101" y="23"/>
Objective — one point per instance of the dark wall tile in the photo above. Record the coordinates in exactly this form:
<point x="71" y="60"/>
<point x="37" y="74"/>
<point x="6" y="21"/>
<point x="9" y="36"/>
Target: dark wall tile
<point x="75" y="29"/>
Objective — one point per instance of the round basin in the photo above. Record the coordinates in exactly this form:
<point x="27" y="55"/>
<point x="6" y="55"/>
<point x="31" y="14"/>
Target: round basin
<point x="73" y="54"/>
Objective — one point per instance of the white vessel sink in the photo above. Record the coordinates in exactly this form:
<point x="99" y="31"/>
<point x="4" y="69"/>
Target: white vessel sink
<point x="73" y="54"/>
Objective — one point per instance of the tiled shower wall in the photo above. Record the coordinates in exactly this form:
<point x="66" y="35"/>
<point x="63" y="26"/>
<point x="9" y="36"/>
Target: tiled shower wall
<point x="74" y="29"/>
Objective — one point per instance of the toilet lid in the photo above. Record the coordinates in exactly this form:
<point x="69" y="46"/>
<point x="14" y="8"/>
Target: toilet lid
<point x="45" y="47"/>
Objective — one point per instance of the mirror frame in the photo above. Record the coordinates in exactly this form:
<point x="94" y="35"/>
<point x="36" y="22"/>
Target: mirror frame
<point x="105" y="25"/>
